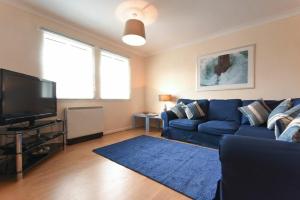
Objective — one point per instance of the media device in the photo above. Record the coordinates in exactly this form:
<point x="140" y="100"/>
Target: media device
<point x="25" y="98"/>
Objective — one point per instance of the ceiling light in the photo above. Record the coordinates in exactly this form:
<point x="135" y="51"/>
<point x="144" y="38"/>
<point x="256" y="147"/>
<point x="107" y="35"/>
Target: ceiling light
<point x="136" y="14"/>
<point x="134" y="33"/>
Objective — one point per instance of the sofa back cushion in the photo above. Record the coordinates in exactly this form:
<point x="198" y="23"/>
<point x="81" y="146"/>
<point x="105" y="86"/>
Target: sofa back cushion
<point x="224" y="110"/>
<point x="296" y="101"/>
<point x="204" y="103"/>
<point x="270" y="103"/>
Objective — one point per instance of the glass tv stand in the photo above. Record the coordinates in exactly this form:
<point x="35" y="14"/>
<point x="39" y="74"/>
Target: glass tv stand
<point x="23" y="147"/>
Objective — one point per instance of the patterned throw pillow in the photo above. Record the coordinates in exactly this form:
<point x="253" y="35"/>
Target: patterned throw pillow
<point x="178" y="109"/>
<point x="256" y="112"/>
<point x="294" y="111"/>
<point x="281" y="125"/>
<point x="194" y="111"/>
<point x="276" y="113"/>
<point x="292" y="131"/>
<point x="281" y="120"/>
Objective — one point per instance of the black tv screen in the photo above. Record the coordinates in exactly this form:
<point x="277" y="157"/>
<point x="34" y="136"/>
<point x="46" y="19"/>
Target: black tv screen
<point x="25" y="98"/>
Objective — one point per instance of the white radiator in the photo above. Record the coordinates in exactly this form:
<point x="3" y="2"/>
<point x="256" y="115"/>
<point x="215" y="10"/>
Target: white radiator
<point x="83" y="122"/>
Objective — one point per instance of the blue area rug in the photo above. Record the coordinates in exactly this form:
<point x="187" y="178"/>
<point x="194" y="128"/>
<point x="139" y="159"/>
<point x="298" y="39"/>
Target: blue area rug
<point x="189" y="169"/>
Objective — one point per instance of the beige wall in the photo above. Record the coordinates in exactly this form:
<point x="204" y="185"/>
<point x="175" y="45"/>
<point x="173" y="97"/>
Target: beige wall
<point x="277" y="65"/>
<point x="20" y="47"/>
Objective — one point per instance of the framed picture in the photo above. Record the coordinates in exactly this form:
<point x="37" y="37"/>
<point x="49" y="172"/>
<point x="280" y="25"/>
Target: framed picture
<point x="231" y="69"/>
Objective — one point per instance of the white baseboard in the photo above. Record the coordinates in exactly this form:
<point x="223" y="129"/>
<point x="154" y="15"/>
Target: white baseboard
<point x="117" y="130"/>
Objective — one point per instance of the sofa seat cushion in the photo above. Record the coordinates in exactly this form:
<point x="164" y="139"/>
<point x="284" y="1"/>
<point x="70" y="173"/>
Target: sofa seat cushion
<point x="216" y="127"/>
<point x="255" y="131"/>
<point x="185" y="124"/>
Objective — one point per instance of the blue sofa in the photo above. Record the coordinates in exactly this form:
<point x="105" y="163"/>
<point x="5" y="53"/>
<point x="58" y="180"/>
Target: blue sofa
<point x="222" y="118"/>
<point x="258" y="169"/>
<point x="254" y="165"/>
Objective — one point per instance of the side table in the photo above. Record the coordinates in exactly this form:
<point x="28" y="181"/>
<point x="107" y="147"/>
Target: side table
<point x="147" y="117"/>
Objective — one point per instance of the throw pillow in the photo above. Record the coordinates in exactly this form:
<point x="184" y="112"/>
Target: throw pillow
<point x="294" y="111"/>
<point x="178" y="109"/>
<point x="281" y="125"/>
<point x="292" y="131"/>
<point x="256" y="112"/>
<point x="281" y="108"/>
<point x="194" y="111"/>
<point x="284" y="119"/>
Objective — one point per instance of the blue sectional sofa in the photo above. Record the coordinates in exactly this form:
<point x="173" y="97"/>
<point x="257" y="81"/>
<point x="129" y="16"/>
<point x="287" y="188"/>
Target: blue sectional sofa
<point x="254" y="165"/>
<point x="222" y="118"/>
<point x="258" y="169"/>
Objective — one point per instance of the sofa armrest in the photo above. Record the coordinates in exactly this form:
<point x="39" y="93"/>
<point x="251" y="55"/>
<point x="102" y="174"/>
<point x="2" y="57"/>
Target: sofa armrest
<point x="166" y="117"/>
<point x="259" y="169"/>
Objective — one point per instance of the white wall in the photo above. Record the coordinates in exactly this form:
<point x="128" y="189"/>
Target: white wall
<point x="20" y="50"/>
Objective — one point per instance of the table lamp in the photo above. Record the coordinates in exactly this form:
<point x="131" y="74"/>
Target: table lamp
<point x="165" y="97"/>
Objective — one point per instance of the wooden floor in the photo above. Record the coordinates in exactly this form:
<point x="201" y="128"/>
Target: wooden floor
<point x="79" y="174"/>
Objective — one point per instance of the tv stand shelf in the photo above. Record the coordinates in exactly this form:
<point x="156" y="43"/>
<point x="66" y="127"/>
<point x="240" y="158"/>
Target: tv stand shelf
<point x="31" y="145"/>
<point x="36" y="125"/>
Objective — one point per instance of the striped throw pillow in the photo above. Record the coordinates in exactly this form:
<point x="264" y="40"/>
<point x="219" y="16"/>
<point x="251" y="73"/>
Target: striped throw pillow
<point x="277" y="112"/>
<point x="281" y="125"/>
<point x="294" y="111"/>
<point x="292" y="131"/>
<point x="179" y="111"/>
<point x="194" y="111"/>
<point x="256" y="112"/>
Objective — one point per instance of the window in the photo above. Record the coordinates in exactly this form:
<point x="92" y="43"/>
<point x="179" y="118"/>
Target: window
<point x="114" y="76"/>
<point x="71" y="64"/>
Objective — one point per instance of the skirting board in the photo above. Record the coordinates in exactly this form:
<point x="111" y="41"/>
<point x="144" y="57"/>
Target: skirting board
<point x="84" y="138"/>
<point x="117" y="130"/>
<point x="94" y="136"/>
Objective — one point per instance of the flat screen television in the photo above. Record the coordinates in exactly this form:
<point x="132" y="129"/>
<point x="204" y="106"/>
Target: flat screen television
<point x="25" y="98"/>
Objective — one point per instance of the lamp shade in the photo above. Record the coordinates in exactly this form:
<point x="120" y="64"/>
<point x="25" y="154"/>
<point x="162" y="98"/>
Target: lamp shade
<point x="134" y="33"/>
<point x="164" y="97"/>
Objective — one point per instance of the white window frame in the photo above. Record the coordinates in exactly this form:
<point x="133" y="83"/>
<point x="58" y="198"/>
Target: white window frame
<point x="97" y="68"/>
<point x="43" y="30"/>
<point x="129" y="74"/>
